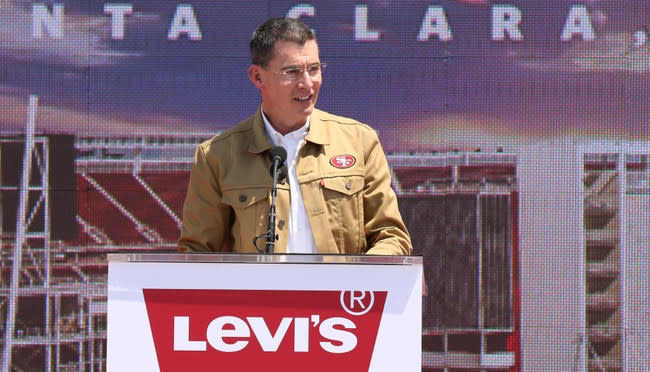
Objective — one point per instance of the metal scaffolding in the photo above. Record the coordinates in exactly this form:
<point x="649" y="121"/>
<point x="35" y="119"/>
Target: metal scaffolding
<point x="23" y="222"/>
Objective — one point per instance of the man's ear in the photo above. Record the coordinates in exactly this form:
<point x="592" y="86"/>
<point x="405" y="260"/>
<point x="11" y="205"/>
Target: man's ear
<point x="254" y="74"/>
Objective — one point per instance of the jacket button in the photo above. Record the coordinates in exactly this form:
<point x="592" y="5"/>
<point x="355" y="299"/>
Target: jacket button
<point x="348" y="185"/>
<point x="242" y="198"/>
<point x="281" y="223"/>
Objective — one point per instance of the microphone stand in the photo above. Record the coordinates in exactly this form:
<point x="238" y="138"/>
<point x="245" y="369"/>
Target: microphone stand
<point x="270" y="234"/>
<point x="278" y="155"/>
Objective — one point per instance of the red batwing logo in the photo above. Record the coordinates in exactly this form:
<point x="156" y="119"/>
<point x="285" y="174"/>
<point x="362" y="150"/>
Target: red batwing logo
<point x="263" y="330"/>
<point x="343" y="161"/>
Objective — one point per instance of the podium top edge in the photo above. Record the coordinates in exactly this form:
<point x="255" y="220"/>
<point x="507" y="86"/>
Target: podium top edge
<point x="265" y="258"/>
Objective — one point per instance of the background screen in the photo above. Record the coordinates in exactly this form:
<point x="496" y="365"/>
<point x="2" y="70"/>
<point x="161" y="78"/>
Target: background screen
<point x="517" y="135"/>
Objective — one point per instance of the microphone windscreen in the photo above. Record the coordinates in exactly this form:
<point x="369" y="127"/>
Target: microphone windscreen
<point x="283" y="172"/>
<point x="278" y="152"/>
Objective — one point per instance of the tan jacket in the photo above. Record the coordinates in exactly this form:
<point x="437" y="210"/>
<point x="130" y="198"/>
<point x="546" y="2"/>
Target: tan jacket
<point x="351" y="209"/>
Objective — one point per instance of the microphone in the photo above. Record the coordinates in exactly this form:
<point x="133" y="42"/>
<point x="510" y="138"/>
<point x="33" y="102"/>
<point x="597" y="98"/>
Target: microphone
<point x="278" y="155"/>
<point x="283" y="172"/>
<point x="278" y="169"/>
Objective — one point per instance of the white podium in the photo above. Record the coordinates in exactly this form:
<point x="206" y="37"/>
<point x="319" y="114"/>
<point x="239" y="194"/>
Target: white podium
<point x="241" y="312"/>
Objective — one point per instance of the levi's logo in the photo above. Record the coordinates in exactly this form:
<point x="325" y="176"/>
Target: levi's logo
<point x="263" y="330"/>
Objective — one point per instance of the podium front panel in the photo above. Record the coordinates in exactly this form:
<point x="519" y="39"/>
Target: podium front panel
<point x="233" y="312"/>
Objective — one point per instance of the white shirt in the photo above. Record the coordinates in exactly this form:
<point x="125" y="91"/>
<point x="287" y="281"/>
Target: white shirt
<point x="301" y="238"/>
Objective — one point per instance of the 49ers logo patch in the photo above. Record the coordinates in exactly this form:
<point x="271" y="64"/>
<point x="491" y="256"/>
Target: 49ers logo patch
<point x="343" y="161"/>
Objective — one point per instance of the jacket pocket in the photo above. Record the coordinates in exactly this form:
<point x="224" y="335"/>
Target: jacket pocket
<point x="343" y="197"/>
<point x="251" y="207"/>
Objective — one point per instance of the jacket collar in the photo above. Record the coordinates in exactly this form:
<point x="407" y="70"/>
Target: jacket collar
<point x="317" y="134"/>
<point x="259" y="143"/>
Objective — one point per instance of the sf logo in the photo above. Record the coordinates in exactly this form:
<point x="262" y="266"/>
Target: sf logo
<point x="343" y="161"/>
<point x="357" y="302"/>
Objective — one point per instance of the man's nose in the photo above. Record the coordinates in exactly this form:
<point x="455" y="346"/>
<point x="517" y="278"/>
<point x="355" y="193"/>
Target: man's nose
<point x="305" y="79"/>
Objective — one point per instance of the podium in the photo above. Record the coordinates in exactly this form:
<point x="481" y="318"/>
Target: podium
<point x="249" y="312"/>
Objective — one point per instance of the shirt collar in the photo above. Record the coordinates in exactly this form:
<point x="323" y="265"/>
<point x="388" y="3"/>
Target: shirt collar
<point x="276" y="137"/>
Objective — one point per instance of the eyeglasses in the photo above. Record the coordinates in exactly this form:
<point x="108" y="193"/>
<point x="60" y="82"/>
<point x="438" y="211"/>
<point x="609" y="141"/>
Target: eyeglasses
<point x="295" y="73"/>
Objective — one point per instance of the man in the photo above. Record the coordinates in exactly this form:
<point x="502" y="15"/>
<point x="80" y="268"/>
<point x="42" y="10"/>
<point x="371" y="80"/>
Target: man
<point x="337" y="197"/>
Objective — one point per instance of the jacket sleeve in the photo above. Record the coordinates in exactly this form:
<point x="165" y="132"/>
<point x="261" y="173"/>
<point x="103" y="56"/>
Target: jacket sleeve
<point x="384" y="228"/>
<point x="206" y="220"/>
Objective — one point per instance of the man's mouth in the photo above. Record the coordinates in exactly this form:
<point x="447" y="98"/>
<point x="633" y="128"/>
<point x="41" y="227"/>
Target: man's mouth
<point x="303" y="99"/>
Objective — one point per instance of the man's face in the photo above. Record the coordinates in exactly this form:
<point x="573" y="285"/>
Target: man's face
<point x="287" y="103"/>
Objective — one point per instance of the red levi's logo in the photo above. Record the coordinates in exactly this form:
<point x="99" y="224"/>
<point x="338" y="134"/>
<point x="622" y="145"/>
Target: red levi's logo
<point x="263" y="330"/>
<point x="343" y="161"/>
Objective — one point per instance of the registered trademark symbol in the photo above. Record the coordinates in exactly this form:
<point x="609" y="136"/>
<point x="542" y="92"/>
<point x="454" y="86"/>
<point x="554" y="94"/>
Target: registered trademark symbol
<point x="357" y="302"/>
